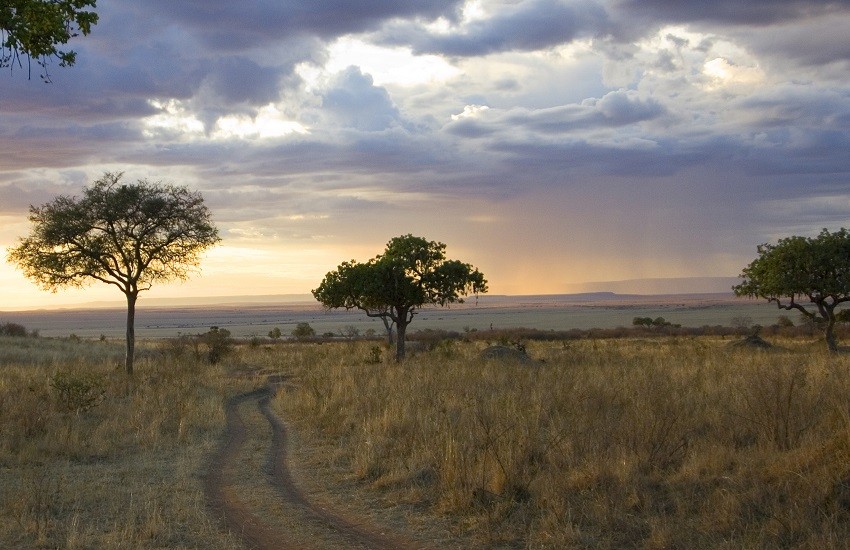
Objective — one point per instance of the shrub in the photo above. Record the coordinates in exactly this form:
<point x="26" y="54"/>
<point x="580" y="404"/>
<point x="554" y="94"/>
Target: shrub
<point x="218" y="343"/>
<point x="13" y="329"/>
<point x="77" y="392"/>
<point x="375" y="355"/>
<point x="303" y="330"/>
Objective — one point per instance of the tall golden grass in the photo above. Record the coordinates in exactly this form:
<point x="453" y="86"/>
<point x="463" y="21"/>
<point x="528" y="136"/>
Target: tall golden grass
<point x="656" y="443"/>
<point x="88" y="460"/>
<point x="665" y="442"/>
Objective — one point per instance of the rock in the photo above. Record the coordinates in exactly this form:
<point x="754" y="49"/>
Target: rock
<point x="504" y="353"/>
<point x="753" y="341"/>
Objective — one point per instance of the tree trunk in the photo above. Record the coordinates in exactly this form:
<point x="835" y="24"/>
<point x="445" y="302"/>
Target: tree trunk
<point x="401" y="328"/>
<point x="830" y="334"/>
<point x="389" y="326"/>
<point x="131" y="331"/>
<point x="827" y="311"/>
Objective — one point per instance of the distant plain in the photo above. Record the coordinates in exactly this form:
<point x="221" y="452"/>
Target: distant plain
<point x="252" y="318"/>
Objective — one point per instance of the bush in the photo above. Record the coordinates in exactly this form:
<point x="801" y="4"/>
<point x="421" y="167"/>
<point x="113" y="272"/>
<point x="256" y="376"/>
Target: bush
<point x="375" y="355"/>
<point x="218" y="343"/>
<point x="77" y="392"/>
<point x="13" y="329"/>
<point x="303" y="330"/>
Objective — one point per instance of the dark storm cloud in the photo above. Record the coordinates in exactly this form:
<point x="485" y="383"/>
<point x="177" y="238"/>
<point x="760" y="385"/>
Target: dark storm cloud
<point x="527" y="26"/>
<point x="815" y="43"/>
<point x="227" y="25"/>
<point x="239" y="80"/>
<point x="736" y="12"/>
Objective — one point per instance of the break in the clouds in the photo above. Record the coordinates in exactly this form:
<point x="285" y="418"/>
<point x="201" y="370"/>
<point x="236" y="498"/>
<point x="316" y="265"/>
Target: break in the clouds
<point x="583" y="140"/>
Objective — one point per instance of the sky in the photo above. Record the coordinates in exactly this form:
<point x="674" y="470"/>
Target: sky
<point x="547" y="142"/>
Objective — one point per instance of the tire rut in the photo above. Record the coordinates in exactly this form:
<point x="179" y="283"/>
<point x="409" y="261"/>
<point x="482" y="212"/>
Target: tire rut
<point x="325" y="525"/>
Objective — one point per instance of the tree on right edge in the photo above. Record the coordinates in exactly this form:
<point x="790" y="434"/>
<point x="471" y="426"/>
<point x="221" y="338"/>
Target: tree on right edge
<point x="411" y="273"/>
<point x="816" y="269"/>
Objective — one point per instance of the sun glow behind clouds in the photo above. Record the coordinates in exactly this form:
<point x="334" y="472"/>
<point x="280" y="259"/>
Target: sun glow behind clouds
<point x="176" y="118"/>
<point x="173" y="118"/>
<point x="269" y="123"/>
<point x="388" y="65"/>
<point x="471" y="111"/>
<point x="723" y="73"/>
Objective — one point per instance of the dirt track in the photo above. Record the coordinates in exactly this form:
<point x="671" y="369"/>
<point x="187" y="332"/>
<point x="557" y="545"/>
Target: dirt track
<point x="306" y="524"/>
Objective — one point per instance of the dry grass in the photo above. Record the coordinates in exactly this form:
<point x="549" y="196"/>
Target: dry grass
<point x="123" y="470"/>
<point x="656" y="443"/>
<point x="664" y="443"/>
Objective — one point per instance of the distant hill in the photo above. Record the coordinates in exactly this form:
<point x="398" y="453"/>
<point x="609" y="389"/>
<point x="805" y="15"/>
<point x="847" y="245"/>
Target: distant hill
<point x="659" y="286"/>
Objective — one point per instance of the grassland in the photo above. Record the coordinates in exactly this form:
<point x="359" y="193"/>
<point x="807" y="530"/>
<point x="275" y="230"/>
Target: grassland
<point x="656" y="442"/>
<point x="246" y="320"/>
<point x="88" y="460"/>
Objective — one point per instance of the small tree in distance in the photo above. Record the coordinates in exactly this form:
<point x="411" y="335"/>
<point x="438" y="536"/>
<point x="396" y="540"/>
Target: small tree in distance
<point x="129" y="236"/>
<point x="411" y="273"/>
<point x="816" y="269"/>
<point x="303" y="330"/>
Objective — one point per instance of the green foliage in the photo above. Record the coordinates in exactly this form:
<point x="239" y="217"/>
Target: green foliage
<point x="77" y="392"/>
<point x="411" y="273"/>
<point x="303" y="330"/>
<point x="650" y="322"/>
<point x="275" y="333"/>
<point x="126" y="235"/>
<point x="37" y="28"/>
<point x="816" y="269"/>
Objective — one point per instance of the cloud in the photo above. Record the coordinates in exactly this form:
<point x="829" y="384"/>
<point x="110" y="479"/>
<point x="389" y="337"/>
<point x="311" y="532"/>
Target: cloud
<point x="751" y="13"/>
<point x="635" y="136"/>
<point x="525" y="26"/>
<point x="806" y="43"/>
<point x="240" y="80"/>
<point x="237" y="26"/>
<point x="353" y="101"/>
<point x="615" y="109"/>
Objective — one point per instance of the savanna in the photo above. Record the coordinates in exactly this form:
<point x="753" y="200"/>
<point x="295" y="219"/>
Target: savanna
<point x="643" y="442"/>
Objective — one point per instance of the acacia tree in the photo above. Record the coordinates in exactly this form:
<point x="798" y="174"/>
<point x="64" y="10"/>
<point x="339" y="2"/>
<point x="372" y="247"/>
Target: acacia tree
<point x="356" y="285"/>
<point x="36" y="29"/>
<point x="129" y="236"/>
<point x="411" y="273"/>
<point x="816" y="269"/>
